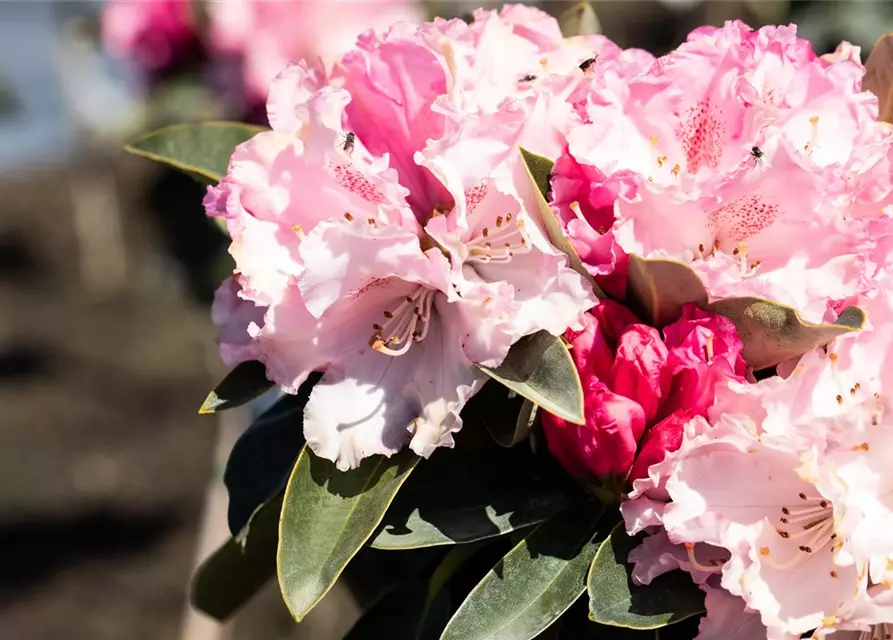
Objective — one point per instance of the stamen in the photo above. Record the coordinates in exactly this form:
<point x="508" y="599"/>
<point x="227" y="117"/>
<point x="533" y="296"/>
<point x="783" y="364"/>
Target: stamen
<point x="501" y="245"/>
<point x="708" y="348"/>
<point x="348" y="217"/>
<point x="408" y="323"/>
<point x="690" y="549"/>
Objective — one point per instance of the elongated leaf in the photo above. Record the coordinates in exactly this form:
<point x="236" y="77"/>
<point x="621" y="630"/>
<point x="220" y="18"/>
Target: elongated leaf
<point x="534" y="583"/>
<point x="264" y="455"/>
<point x="202" y="150"/>
<point x="657" y="289"/>
<point x="327" y="515"/>
<point x="579" y="20"/>
<point x="539" y="168"/>
<point x="237" y="571"/>
<point x="243" y="384"/>
<point x="614" y="599"/>
<point x="474" y="491"/>
<point x="879" y="76"/>
<point x="539" y="367"/>
<point x="507" y="417"/>
<point x="773" y="332"/>
<point x="574" y="624"/>
<point x="420" y="608"/>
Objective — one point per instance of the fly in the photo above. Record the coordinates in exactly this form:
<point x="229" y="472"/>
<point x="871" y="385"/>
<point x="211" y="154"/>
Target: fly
<point x="757" y="154"/>
<point x="350" y="140"/>
<point x="584" y="66"/>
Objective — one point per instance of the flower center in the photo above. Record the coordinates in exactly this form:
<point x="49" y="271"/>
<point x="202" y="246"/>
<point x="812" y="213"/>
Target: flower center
<point x="405" y="324"/>
<point x="501" y="244"/>
<point x="809" y="522"/>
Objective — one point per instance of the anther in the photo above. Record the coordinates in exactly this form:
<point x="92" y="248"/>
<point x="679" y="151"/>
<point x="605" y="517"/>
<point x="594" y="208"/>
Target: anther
<point x="485" y="232"/>
<point x="498" y="223"/>
<point x="348" y="217"/>
<point x="839" y="399"/>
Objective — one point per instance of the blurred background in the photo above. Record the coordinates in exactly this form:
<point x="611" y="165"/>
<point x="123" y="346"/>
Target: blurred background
<point x="109" y="480"/>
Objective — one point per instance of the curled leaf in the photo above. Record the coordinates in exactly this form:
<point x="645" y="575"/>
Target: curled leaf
<point x="234" y="573"/>
<point x="879" y="76"/>
<point x="201" y="150"/>
<point x="579" y="20"/>
<point x="773" y="332"/>
<point x="243" y="384"/>
<point x="535" y="583"/>
<point x="539" y="168"/>
<point x="657" y="289"/>
<point x="615" y="601"/>
<point x="327" y="516"/>
<point x="540" y="368"/>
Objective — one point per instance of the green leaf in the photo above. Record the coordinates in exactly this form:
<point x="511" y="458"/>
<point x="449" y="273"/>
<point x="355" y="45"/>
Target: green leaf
<point x="524" y="425"/>
<point x="264" y="455"/>
<point x="474" y="491"/>
<point x="539" y="169"/>
<point x="201" y="150"/>
<point x="657" y="289"/>
<point x="507" y="417"/>
<point x="243" y="384"/>
<point x="773" y="332"/>
<point x="534" y="583"/>
<point x="420" y="608"/>
<point x="579" y="20"/>
<point x="327" y="515"/>
<point x="614" y="599"/>
<point x="539" y="367"/>
<point x="237" y="571"/>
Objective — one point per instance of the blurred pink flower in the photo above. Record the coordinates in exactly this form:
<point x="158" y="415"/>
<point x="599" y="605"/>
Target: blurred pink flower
<point x="154" y="34"/>
<point x="268" y="35"/>
<point x="639" y="389"/>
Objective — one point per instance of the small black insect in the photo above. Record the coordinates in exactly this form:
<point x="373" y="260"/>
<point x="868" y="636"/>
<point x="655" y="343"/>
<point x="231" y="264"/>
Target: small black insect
<point x="584" y="66"/>
<point x="349" y="142"/>
<point x="528" y="78"/>
<point x="757" y="153"/>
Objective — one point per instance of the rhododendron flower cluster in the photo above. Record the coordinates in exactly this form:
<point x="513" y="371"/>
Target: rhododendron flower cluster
<point x="701" y="241"/>
<point x="781" y="497"/>
<point x="741" y="153"/>
<point x="641" y="388"/>
<point x="388" y="230"/>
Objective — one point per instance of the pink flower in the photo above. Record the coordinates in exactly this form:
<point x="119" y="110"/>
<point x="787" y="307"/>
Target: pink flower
<point x="152" y="33"/>
<point x="740" y="153"/>
<point x="268" y="36"/>
<point x="794" y="489"/>
<point x="387" y="227"/>
<point x="639" y="389"/>
<point x="238" y="321"/>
